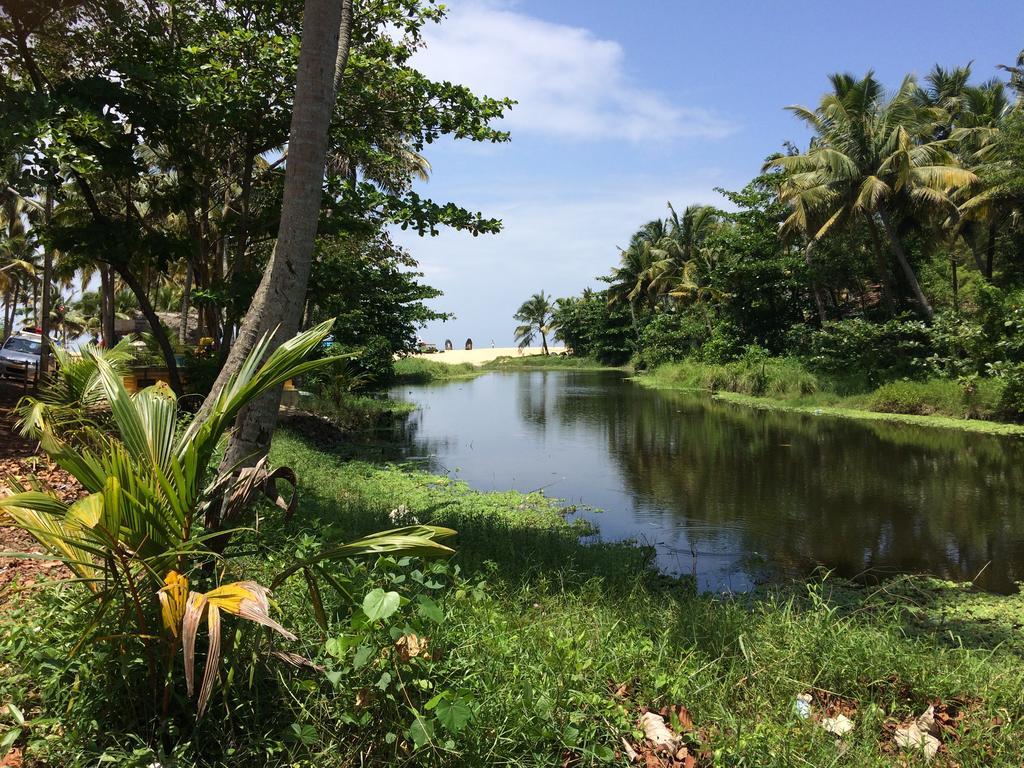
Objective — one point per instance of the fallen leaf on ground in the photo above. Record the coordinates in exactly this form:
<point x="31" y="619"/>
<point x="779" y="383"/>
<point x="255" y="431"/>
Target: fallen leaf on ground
<point x="837" y="726"/>
<point x="918" y="735"/>
<point x="658" y="733"/>
<point x="631" y="754"/>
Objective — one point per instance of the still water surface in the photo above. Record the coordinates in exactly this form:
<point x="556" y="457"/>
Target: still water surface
<point x="731" y="494"/>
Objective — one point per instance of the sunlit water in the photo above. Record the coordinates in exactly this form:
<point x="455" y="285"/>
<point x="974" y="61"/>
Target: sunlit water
<point x="733" y="495"/>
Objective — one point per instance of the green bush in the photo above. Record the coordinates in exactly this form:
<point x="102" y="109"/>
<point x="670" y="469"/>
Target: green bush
<point x="591" y="328"/>
<point x="668" y="337"/>
<point x="894" y="349"/>
<point x="754" y="374"/>
<point x="1011" y="402"/>
<point x="418" y="370"/>
<point x="970" y="397"/>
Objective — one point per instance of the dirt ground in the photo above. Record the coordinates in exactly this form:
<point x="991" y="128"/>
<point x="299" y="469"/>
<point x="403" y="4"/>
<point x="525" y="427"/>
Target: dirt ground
<point x="20" y="460"/>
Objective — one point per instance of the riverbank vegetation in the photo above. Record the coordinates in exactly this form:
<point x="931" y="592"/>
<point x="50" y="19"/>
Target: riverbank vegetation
<point x="545" y="362"/>
<point x="528" y="646"/>
<point x="418" y="370"/>
<point x="880" y="267"/>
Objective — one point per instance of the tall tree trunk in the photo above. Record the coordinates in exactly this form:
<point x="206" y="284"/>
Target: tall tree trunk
<point x="544" y="341"/>
<point x="908" y="271"/>
<point x="107" y="305"/>
<point x="186" y="300"/>
<point x="990" y="250"/>
<point x="44" y="353"/>
<point x="882" y="266"/>
<point x="954" y="280"/>
<point x="14" y="306"/>
<point x="283" y="287"/>
<point x="819" y="293"/>
<point x="162" y="340"/>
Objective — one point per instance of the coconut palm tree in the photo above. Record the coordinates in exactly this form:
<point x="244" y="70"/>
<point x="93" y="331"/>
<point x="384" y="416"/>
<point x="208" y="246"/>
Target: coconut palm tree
<point x="632" y="281"/>
<point x="680" y="245"/>
<point x="537" y="315"/>
<point x="985" y="137"/>
<point x="276" y="306"/>
<point x="872" y="159"/>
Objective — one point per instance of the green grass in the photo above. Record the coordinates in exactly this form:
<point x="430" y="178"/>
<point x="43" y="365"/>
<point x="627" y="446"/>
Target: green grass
<point x="416" y="370"/>
<point x="768" y="377"/>
<point x="355" y="412"/>
<point x="784" y="384"/>
<point x="533" y="632"/>
<point x="546" y="362"/>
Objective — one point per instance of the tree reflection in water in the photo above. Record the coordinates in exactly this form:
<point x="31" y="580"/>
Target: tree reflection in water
<point x="734" y="492"/>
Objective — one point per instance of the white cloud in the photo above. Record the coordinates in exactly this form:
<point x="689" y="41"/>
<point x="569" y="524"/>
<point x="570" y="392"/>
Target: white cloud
<point x="568" y="82"/>
<point x="559" y="242"/>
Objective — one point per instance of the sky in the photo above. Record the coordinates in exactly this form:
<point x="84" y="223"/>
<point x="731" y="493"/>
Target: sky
<point x="626" y="106"/>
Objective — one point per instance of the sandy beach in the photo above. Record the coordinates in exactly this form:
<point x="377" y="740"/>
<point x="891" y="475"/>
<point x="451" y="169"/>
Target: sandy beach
<point x="485" y="354"/>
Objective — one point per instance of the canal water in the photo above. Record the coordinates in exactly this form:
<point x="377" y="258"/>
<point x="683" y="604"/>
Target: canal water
<point x="733" y="495"/>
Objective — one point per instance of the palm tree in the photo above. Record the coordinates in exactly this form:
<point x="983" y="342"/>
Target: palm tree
<point x="276" y="306"/>
<point x="986" y="141"/>
<point x="680" y="246"/>
<point x="632" y="281"/>
<point x="875" y="160"/>
<point x="537" y="315"/>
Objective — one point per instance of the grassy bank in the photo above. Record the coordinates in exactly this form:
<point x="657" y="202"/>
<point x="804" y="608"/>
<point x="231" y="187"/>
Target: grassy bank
<point x="539" y="651"/>
<point x="354" y="412"/>
<point x="546" y="362"/>
<point x="416" y="370"/>
<point x="785" y="384"/>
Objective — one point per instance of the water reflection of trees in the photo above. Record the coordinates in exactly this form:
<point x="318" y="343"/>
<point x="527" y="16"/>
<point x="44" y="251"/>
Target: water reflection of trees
<point x="803" y="489"/>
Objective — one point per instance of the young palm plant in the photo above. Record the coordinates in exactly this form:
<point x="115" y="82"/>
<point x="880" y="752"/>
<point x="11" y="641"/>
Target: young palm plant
<point x="136" y="540"/>
<point x="74" y="396"/>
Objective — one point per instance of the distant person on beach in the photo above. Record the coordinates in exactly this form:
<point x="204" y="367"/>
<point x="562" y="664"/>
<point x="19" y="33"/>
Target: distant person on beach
<point x="448" y="345"/>
<point x="469" y="343"/>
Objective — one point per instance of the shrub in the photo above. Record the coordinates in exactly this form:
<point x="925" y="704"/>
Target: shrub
<point x="668" y="337"/>
<point x="722" y="345"/>
<point x="894" y="349"/>
<point x="591" y="328"/>
<point x="73" y="397"/>
<point x="754" y="374"/>
<point x="970" y="397"/>
<point x="1011" y="403"/>
<point x="417" y="370"/>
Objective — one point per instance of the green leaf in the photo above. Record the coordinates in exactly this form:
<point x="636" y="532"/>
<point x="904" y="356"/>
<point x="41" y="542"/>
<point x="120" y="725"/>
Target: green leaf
<point x="453" y="712"/>
<point x="421" y="731"/>
<point x="8" y="740"/>
<point x="363" y="655"/>
<point x="429" y="610"/>
<point x="304" y="733"/>
<point x="16" y="713"/>
<point x="379" y="604"/>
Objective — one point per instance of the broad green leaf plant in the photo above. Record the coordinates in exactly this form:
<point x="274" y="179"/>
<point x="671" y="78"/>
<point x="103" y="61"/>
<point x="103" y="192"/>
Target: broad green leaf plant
<point x="136" y="540"/>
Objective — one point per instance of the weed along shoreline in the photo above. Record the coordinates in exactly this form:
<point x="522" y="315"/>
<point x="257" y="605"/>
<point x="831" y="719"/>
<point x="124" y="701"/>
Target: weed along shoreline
<point x="934" y="422"/>
<point x="797" y="397"/>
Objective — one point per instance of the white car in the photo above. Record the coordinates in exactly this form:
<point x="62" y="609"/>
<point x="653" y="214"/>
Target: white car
<point x="19" y="355"/>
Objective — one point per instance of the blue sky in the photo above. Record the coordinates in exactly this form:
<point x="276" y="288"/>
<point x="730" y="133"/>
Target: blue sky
<point x="624" y="106"/>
